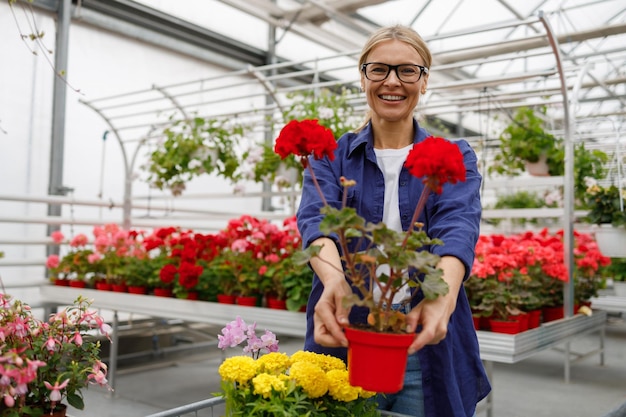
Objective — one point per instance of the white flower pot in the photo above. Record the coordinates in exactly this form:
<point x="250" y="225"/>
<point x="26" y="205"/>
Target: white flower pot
<point x="539" y="168"/>
<point x="611" y="240"/>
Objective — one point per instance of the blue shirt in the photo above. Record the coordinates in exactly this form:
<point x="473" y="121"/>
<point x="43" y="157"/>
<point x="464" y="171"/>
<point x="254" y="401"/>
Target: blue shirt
<point x="454" y="379"/>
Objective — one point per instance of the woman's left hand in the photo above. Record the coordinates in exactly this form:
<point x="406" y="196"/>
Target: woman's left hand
<point x="434" y="315"/>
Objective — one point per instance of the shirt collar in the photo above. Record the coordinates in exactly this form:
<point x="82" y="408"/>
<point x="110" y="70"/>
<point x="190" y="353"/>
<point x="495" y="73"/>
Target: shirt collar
<point x="365" y="136"/>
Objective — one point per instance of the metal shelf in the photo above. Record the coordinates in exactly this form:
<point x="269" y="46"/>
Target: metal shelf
<point x="283" y="322"/>
<point x="507" y="348"/>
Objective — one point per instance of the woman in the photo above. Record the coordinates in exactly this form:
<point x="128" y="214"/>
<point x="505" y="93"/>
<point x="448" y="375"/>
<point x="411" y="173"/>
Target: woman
<point x="445" y="376"/>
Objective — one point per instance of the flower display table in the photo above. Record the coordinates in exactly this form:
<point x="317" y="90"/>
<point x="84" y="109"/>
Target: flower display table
<point x="512" y="348"/>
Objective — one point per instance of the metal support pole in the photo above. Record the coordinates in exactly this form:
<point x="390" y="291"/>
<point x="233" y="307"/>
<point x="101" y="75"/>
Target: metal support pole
<point x="568" y="193"/>
<point x="57" y="139"/>
<point x="113" y="351"/>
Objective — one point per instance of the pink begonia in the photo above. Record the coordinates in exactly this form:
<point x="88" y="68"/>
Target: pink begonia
<point x="52" y="261"/>
<point x="262" y="270"/>
<point x="79" y="240"/>
<point x="57" y="236"/>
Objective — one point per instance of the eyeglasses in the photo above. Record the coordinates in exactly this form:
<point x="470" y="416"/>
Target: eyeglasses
<point x="408" y="73"/>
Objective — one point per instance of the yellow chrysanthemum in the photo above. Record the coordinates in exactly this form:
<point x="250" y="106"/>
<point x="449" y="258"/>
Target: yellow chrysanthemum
<point x="367" y="394"/>
<point x="339" y="388"/>
<point x="239" y="369"/>
<point x="304" y="356"/>
<point x="310" y="377"/>
<point x="274" y="363"/>
<point x="330" y="363"/>
<point x="264" y="383"/>
<point x="326" y="362"/>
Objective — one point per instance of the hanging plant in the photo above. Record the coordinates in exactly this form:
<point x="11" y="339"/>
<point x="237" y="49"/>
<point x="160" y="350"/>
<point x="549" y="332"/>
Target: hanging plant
<point x="525" y="140"/>
<point x="201" y="146"/>
<point x="194" y="147"/>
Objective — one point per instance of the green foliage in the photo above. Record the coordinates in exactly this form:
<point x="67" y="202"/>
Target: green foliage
<point x="604" y="206"/>
<point x="616" y="269"/>
<point x="195" y="147"/>
<point x="525" y="140"/>
<point x="200" y="146"/>
<point x="587" y="164"/>
<point x="409" y="264"/>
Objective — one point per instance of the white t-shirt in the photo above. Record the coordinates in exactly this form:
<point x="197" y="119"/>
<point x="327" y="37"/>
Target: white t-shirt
<point x="390" y="162"/>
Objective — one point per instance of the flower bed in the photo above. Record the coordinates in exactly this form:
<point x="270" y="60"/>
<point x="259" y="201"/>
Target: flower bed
<point x="250" y="257"/>
<point x="523" y="273"/>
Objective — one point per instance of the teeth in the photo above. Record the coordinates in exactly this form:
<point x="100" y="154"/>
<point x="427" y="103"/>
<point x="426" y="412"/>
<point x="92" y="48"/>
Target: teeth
<point x="393" y="98"/>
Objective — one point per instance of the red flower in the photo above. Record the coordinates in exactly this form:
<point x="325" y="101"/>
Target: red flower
<point x="168" y="273"/>
<point x="437" y="159"/>
<point x="306" y="137"/>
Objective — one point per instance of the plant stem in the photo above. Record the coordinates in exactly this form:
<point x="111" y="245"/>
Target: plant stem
<point x="418" y="209"/>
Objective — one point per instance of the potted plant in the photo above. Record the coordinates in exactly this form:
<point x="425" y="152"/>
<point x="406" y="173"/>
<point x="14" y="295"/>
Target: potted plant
<point x="525" y="141"/>
<point x="48" y="363"/>
<point x="199" y="146"/>
<point x="607" y="210"/>
<point x="616" y="271"/>
<point x="532" y="265"/>
<point x="78" y="265"/>
<point x="301" y="384"/>
<point x="403" y="252"/>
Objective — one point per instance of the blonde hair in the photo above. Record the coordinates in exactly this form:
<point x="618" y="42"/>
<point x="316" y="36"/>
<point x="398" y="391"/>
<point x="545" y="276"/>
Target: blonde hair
<point x="396" y="32"/>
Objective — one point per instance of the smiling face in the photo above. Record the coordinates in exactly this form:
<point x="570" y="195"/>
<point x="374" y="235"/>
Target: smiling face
<point x="392" y="100"/>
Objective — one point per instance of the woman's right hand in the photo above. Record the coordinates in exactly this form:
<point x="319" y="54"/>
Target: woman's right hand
<point x="330" y="315"/>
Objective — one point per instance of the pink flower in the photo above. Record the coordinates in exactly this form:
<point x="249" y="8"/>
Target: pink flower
<point x="57" y="236"/>
<point x="52" y="261"/>
<point x="55" y="390"/>
<point x="79" y="240"/>
<point x="92" y="258"/>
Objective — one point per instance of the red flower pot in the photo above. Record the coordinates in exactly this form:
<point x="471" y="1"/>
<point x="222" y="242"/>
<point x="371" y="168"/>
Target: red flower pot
<point x="377" y="361"/>
<point x="121" y="287"/>
<point x="103" y="286"/>
<point x="249" y="301"/>
<point x="163" y="292"/>
<point x="534" y="319"/>
<point x="61" y="282"/>
<point x="77" y="284"/>
<point x="476" y="321"/>
<point x="276" y="304"/>
<point x="505" y="326"/>
<point x="522" y="318"/>
<point x="484" y="323"/>
<point x="552" y="313"/>
<point x="226" y="299"/>
<point x="192" y="295"/>
<point x="137" y="289"/>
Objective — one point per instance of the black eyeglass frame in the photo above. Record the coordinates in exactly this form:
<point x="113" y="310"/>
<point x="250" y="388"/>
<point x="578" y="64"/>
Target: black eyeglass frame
<point x="423" y="70"/>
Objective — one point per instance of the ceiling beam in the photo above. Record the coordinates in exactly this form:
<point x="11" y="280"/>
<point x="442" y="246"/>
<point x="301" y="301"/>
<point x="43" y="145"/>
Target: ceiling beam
<point x="534" y="42"/>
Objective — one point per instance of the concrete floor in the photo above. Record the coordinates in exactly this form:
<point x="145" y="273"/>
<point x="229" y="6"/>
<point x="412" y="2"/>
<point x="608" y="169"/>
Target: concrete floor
<point x="534" y="387"/>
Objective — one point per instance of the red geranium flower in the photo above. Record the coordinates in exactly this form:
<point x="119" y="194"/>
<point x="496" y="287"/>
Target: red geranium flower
<point x="438" y="160"/>
<point x="306" y="137"/>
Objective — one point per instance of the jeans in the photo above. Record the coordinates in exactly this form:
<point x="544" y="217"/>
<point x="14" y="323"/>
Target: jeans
<point x="409" y="400"/>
